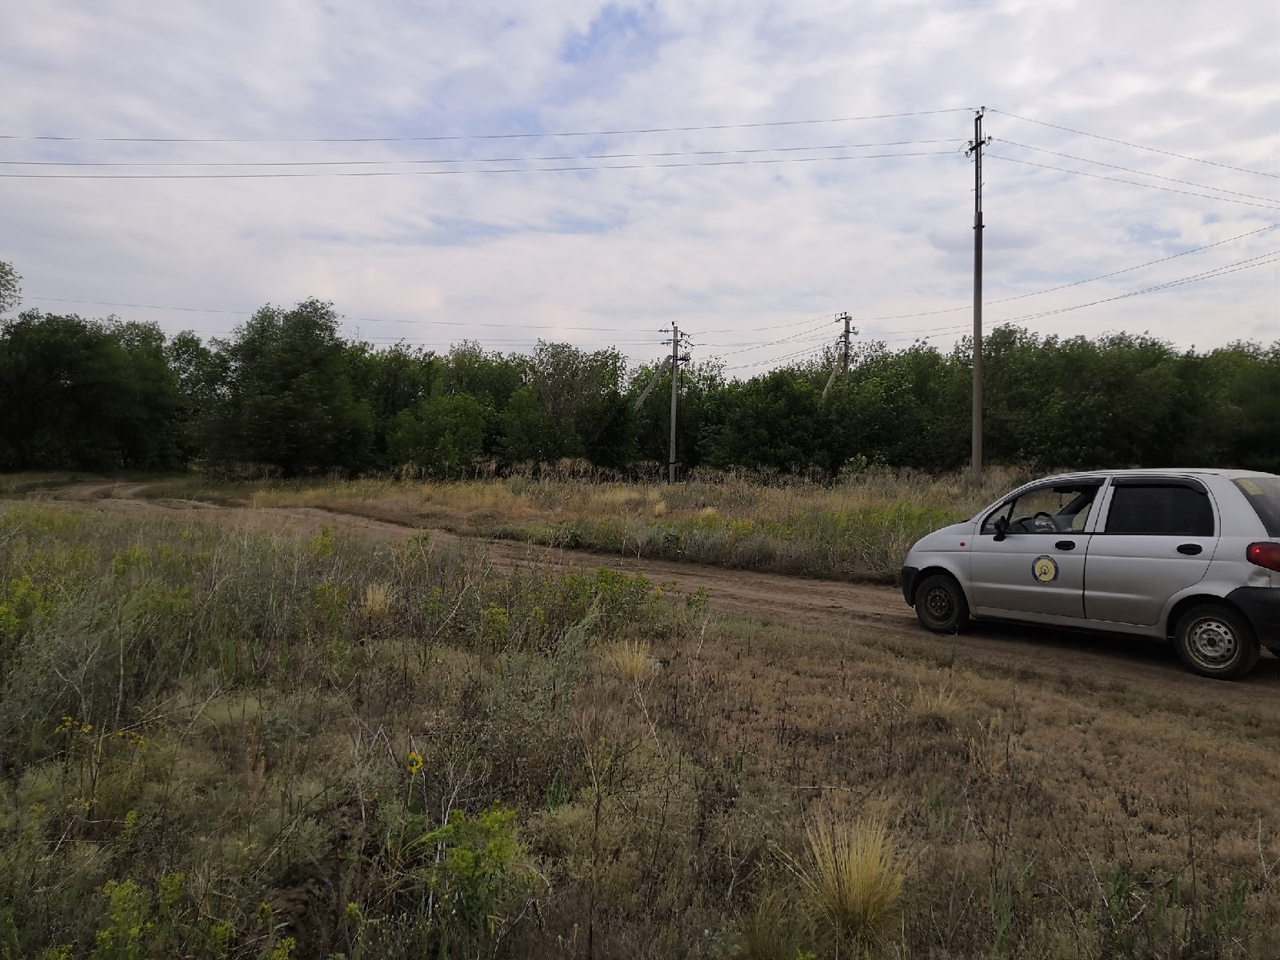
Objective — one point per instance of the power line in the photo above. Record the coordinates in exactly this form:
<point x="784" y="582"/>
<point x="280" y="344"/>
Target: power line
<point x="487" y="136"/>
<point x="774" y="326"/>
<point x="434" y="161"/>
<point x="1141" y="173"/>
<point x="250" y="313"/>
<point x="796" y="336"/>
<point x="806" y="351"/>
<point x="1132" y="183"/>
<point x="823" y="320"/>
<point x="1138" y="146"/>
<point x="1249" y="263"/>
<point x="438" y="173"/>
<point x="1062" y="286"/>
<point x="932" y="333"/>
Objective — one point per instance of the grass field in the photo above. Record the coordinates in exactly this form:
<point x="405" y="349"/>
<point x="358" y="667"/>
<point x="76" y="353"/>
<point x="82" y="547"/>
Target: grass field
<point x="858" y="529"/>
<point x="224" y="743"/>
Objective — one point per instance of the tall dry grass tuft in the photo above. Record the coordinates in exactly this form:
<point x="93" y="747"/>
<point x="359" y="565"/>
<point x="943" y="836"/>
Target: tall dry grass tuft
<point x="852" y="882"/>
<point x="937" y="708"/>
<point x="376" y="601"/>
<point x="629" y="660"/>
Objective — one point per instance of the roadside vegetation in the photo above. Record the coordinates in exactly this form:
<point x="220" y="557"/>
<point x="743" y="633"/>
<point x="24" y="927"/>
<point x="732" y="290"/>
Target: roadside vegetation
<point x="858" y="528"/>
<point x="220" y="743"/>
<point x="286" y="395"/>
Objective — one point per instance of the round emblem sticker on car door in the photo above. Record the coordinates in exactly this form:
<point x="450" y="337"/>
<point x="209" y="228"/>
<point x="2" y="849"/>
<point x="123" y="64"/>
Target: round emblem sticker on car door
<point x="1044" y="569"/>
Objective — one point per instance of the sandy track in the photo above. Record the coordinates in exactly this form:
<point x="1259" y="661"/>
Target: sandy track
<point x="1037" y="656"/>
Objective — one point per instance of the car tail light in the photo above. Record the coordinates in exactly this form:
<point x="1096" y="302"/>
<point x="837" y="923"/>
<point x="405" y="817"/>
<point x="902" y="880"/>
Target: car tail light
<point x="1264" y="555"/>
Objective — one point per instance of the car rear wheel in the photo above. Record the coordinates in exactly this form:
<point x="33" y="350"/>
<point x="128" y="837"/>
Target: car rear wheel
<point x="1214" y="640"/>
<point x="940" y="604"/>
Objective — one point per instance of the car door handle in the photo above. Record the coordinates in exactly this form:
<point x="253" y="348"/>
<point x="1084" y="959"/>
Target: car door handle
<point x="1190" y="549"/>
<point x="1065" y="545"/>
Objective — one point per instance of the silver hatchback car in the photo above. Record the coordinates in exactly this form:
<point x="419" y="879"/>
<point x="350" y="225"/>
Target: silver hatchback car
<point x="1188" y="555"/>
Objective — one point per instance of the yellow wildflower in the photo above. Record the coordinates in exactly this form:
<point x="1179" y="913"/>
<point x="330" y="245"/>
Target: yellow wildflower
<point x="414" y="763"/>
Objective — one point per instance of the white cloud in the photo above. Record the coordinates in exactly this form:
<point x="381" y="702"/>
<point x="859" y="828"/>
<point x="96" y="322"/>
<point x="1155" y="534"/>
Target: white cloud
<point x="515" y="256"/>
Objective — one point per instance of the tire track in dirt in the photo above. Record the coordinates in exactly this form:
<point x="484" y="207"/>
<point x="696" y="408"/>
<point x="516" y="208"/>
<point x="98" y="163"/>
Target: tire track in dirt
<point x="839" y="608"/>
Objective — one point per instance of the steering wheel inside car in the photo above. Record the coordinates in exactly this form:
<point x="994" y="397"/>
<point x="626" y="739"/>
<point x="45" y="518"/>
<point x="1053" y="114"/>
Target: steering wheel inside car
<point x="1046" y="525"/>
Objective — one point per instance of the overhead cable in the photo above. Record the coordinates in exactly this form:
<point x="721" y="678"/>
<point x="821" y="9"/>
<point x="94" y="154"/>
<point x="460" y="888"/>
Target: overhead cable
<point x="1142" y="173"/>
<point x="1137" y="146"/>
<point x="490" y="136"/>
<point x="440" y="173"/>
<point x="1062" y="286"/>
<point x="435" y="161"/>
<point x="1132" y="183"/>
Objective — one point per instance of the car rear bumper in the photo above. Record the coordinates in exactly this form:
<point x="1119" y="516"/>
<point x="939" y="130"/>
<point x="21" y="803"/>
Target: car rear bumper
<point x="1262" y="606"/>
<point x="909" y="583"/>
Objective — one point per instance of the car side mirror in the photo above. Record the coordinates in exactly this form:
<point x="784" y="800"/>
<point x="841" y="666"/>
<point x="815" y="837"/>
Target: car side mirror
<point x="1002" y="527"/>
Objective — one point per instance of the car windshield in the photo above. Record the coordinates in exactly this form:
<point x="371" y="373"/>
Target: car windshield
<point x="1263" y="493"/>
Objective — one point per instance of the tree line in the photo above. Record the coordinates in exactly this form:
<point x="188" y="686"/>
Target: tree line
<point x="286" y="392"/>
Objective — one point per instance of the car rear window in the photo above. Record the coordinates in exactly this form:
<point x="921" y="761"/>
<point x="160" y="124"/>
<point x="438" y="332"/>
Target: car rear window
<point x="1263" y="494"/>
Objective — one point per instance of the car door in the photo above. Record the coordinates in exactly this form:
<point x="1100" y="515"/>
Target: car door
<point x="1158" y="538"/>
<point x="1028" y="560"/>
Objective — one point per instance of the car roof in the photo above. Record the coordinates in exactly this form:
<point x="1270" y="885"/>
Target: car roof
<point x="1161" y="472"/>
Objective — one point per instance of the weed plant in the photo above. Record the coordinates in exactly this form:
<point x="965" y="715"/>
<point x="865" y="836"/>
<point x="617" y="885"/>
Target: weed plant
<point x="226" y="744"/>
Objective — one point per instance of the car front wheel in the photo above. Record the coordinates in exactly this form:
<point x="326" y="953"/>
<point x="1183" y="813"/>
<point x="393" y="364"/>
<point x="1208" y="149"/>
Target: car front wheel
<point x="940" y="604"/>
<point x="1214" y="640"/>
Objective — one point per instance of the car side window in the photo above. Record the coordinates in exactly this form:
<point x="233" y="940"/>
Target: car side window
<point x="1058" y="508"/>
<point x="1160" y="509"/>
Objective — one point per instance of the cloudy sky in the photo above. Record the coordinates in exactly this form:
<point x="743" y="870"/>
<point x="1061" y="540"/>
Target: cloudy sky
<point x="593" y="172"/>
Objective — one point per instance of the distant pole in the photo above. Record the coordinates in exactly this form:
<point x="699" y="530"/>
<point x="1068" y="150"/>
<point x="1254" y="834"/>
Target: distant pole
<point x="841" y="365"/>
<point x="844" y="353"/>
<point x="974" y="149"/>
<point x="675" y="366"/>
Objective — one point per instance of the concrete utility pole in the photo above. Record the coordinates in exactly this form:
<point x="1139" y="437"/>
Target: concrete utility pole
<point x="676" y="360"/>
<point x="675" y="380"/>
<point x="974" y="149"/>
<point x="841" y="365"/>
<point x="844" y="349"/>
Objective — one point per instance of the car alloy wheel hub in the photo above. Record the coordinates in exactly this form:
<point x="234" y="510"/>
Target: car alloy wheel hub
<point x="939" y="603"/>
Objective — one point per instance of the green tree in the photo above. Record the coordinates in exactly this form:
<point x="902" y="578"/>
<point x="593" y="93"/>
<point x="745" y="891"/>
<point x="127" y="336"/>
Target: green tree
<point x="492" y="379"/>
<point x="390" y="382"/>
<point x="10" y="288"/>
<point x="701" y="406"/>
<point x="571" y="405"/>
<point x="200" y="375"/>
<point x="86" y="394"/>
<point x="287" y="399"/>
<point x="531" y="432"/>
<point x="1244" y="406"/>
<point x="770" y="421"/>
<point x="442" y="435"/>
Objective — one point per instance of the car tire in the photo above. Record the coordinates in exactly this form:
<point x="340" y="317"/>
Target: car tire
<point x="940" y="604"/>
<point x="1214" y="640"/>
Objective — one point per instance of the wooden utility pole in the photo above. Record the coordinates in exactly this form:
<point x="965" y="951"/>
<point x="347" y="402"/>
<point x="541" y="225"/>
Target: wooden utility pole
<point x="974" y="149"/>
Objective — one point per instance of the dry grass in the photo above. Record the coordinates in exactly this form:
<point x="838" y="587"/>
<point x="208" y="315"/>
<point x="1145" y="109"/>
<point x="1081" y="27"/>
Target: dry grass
<point x="630" y="661"/>
<point x="858" y="528"/>
<point x="1033" y="791"/>
<point x="1050" y="811"/>
<point x="852" y="882"/>
<point x="376" y="600"/>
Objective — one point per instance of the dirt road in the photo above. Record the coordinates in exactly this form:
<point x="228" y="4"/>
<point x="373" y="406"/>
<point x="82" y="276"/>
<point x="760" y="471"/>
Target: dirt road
<point x="1055" y="657"/>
